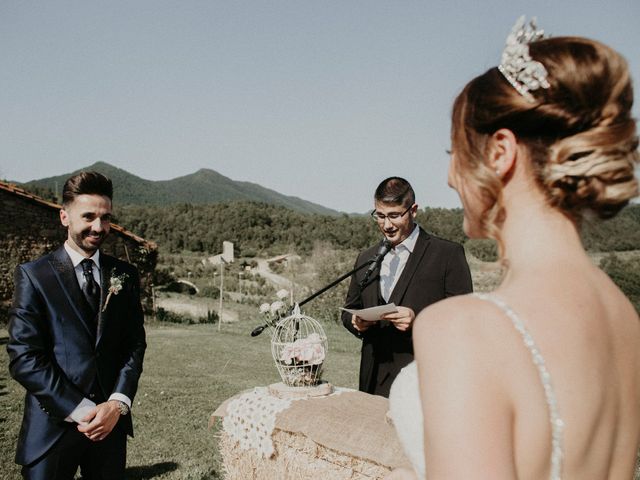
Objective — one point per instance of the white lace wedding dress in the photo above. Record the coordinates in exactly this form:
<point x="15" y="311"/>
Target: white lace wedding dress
<point x="405" y="408"/>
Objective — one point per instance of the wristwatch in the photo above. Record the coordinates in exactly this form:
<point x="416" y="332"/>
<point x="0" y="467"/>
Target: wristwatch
<point x="123" y="407"/>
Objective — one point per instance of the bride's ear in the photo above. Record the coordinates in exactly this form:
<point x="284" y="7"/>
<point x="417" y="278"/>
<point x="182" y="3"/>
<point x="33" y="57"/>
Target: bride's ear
<point x="503" y="150"/>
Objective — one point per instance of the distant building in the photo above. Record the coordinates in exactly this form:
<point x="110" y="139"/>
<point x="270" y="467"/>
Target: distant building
<point x="279" y="260"/>
<point x="30" y="227"/>
<point x="226" y="256"/>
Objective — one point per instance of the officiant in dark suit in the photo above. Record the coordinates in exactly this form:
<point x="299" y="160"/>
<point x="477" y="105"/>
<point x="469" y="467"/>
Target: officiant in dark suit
<point x="76" y="344"/>
<point x="418" y="270"/>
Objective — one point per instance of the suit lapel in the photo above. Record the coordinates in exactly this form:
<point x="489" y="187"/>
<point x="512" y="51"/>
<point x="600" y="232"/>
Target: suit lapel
<point x="410" y="268"/>
<point x="66" y="275"/>
<point x="371" y="291"/>
<point x="106" y="272"/>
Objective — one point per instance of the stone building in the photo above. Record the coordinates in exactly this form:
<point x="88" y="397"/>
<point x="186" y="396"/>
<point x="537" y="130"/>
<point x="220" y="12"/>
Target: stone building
<point x="30" y="227"/>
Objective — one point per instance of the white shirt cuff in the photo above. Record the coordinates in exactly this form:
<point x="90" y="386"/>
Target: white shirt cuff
<point x="81" y="411"/>
<point x="121" y="398"/>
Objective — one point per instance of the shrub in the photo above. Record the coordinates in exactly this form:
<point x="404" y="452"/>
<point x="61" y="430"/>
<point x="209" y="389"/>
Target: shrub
<point x="172" y="317"/>
<point x="210" y="291"/>
<point x="163" y="315"/>
<point x="162" y="276"/>
<point x="212" y="317"/>
<point x="625" y="274"/>
<point x="277" y="267"/>
<point x="179" y="287"/>
<point x="483" y="249"/>
<point x="4" y="313"/>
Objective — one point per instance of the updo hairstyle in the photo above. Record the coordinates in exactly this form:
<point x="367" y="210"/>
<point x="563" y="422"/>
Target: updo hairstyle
<point x="579" y="132"/>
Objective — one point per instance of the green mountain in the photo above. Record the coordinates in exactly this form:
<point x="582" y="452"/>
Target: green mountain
<point x="202" y="187"/>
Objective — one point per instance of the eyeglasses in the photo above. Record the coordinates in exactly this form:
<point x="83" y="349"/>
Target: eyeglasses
<point x="393" y="216"/>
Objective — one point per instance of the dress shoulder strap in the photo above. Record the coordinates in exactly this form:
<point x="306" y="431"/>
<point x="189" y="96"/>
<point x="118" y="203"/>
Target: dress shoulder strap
<point x="557" y="424"/>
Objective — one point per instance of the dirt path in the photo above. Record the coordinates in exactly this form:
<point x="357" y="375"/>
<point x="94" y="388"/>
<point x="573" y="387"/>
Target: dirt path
<point x="263" y="270"/>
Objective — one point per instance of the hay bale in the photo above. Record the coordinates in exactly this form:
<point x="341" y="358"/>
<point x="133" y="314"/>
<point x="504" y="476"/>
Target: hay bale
<point x="296" y="458"/>
<point x="344" y="437"/>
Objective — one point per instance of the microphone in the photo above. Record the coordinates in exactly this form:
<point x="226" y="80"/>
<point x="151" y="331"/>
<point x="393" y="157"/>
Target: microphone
<point x="376" y="261"/>
<point x="258" y="330"/>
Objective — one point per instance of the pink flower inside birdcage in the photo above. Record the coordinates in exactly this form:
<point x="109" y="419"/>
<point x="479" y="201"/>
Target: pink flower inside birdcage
<point x="299" y="347"/>
<point x="307" y="350"/>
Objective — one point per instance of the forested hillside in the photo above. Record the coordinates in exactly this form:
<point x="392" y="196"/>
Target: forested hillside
<point x="254" y="228"/>
<point x="205" y="186"/>
<point x="262" y="229"/>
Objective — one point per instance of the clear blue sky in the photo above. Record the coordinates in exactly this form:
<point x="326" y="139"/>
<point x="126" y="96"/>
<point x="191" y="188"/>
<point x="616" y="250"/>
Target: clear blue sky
<point x="318" y="99"/>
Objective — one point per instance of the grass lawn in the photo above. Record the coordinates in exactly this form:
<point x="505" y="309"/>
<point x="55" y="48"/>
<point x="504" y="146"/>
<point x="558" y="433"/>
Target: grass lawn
<point x="189" y="370"/>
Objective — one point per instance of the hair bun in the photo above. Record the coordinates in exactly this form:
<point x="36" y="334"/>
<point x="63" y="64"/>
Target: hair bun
<point x="594" y="170"/>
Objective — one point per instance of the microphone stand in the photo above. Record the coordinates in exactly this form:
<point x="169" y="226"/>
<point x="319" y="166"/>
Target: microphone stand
<point x="258" y="330"/>
<point x="335" y="282"/>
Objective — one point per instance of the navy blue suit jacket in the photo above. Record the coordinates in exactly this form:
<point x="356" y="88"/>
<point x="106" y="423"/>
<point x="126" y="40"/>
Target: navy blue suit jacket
<point x="436" y="269"/>
<point x="57" y="353"/>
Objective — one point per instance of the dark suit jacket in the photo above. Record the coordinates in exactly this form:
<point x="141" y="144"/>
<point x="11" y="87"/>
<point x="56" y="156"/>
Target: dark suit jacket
<point x="57" y="353"/>
<point x="436" y="269"/>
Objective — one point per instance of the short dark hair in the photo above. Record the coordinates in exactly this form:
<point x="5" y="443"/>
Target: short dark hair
<point x="395" y="191"/>
<point x="86" y="183"/>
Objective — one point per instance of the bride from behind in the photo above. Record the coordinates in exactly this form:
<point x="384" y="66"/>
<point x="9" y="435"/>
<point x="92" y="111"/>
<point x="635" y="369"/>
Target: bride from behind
<point x="541" y="378"/>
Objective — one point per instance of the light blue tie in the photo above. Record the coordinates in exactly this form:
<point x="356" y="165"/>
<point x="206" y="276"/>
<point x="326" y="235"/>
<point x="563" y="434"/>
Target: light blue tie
<point x="393" y="270"/>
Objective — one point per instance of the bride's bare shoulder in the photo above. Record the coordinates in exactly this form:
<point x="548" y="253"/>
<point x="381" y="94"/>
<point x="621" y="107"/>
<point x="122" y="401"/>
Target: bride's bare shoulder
<point x="461" y="347"/>
<point x="458" y="320"/>
<point x="455" y="308"/>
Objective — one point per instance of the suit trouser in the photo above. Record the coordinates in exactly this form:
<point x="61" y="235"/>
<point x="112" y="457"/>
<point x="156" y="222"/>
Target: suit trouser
<point x="103" y="460"/>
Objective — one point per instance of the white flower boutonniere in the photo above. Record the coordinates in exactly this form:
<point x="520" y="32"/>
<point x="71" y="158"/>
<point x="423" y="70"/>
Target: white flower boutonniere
<point x="116" y="283"/>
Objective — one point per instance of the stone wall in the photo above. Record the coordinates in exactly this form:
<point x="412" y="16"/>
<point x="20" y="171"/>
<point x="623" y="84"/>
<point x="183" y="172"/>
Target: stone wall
<point x="31" y="227"/>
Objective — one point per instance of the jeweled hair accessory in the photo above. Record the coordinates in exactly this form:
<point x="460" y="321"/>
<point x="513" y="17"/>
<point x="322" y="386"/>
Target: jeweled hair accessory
<point x="517" y="66"/>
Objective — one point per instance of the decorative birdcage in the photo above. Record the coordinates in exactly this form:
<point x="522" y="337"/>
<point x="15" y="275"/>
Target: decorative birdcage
<point x="299" y="347"/>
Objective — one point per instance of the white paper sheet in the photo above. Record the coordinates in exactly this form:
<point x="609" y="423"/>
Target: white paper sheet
<point x="373" y="314"/>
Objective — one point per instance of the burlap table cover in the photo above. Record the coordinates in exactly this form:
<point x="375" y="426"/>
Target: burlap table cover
<point x="345" y="436"/>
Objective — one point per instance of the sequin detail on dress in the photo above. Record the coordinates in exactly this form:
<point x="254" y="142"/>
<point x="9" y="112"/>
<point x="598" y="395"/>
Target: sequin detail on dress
<point x="557" y="424"/>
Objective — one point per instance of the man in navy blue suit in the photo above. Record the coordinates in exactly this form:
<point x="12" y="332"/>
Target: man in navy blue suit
<point x="76" y="344"/>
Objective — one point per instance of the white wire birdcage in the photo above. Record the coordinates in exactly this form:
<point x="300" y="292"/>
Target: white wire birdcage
<point x="299" y="347"/>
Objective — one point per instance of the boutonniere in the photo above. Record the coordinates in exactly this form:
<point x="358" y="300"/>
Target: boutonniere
<point x="116" y="282"/>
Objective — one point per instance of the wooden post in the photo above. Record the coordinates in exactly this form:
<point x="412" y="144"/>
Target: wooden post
<point x="153" y="302"/>
<point x="222" y="262"/>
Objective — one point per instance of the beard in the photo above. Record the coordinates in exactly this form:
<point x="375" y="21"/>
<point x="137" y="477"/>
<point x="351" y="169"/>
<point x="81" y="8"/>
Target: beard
<point x="88" y="240"/>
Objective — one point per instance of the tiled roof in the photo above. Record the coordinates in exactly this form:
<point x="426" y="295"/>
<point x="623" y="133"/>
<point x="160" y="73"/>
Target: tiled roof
<point x="22" y="193"/>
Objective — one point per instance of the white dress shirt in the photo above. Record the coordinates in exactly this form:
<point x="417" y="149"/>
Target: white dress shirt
<point x="394" y="262"/>
<point x="77" y="259"/>
<point x="86" y="404"/>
